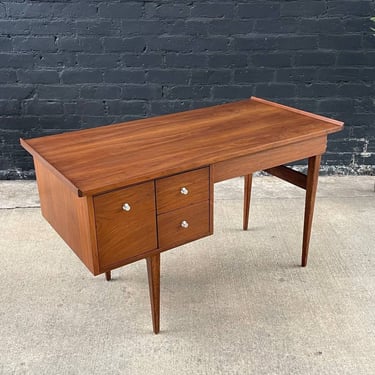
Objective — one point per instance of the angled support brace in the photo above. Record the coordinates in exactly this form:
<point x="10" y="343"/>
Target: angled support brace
<point x="290" y="175"/>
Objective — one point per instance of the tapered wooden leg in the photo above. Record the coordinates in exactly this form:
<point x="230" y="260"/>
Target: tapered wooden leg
<point x="246" y="201"/>
<point x="312" y="184"/>
<point x="108" y="275"/>
<point x="153" y="270"/>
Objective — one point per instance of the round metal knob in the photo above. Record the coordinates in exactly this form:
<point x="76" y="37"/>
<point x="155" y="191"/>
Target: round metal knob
<point x="184" y="224"/>
<point x="184" y="191"/>
<point x="126" y="207"/>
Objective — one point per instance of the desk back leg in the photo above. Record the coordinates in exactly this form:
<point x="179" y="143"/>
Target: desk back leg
<point x="108" y="275"/>
<point x="153" y="270"/>
<point x="311" y="187"/>
<point x="246" y="201"/>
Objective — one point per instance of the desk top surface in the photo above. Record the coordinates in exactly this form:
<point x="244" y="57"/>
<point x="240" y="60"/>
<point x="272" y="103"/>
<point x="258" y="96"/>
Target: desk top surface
<point x="95" y="160"/>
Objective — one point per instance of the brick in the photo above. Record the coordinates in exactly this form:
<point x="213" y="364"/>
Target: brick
<point x="38" y="76"/>
<point x="34" y="44"/>
<point x="120" y="10"/>
<point x="316" y="90"/>
<point x="340" y="42"/>
<point x="356" y="58"/>
<point x="31" y="10"/>
<point x="186" y="27"/>
<point x="135" y="44"/>
<point x="82" y="44"/>
<point x="79" y="9"/>
<point x="315" y="58"/>
<point x="55" y="27"/>
<point x="53" y="60"/>
<point x="367" y="74"/>
<point x="58" y="92"/>
<point x="149" y="60"/>
<point x="229" y="27"/>
<point x="187" y="92"/>
<point x="275" y="90"/>
<point x="259" y="9"/>
<point x="336" y="105"/>
<point x="209" y="77"/>
<point x="124" y="76"/>
<point x="183" y="60"/>
<point x="296" y="74"/>
<point x="92" y="108"/>
<point x="120" y="107"/>
<point x="253" y="75"/>
<point x="271" y="59"/>
<point x="205" y="44"/>
<point x="232" y="92"/>
<point x="170" y="43"/>
<point x="10" y="107"/>
<point x="276" y="25"/>
<point x="302" y="8"/>
<point x="297" y="42"/>
<point x="10" y="92"/>
<point x="45" y="107"/>
<point x="15" y="27"/>
<point x="5" y="44"/>
<point x="172" y="11"/>
<point x="81" y="76"/>
<point x="24" y="123"/>
<point x="227" y="61"/>
<point x="141" y="27"/>
<point x="142" y="92"/>
<point x="255" y="42"/>
<point x="8" y="76"/>
<point x="99" y="27"/>
<point x="314" y="25"/>
<point x="100" y="92"/>
<point x="108" y="60"/>
<point x="19" y="60"/>
<point x="168" y="76"/>
<point x="212" y="10"/>
<point x="60" y="122"/>
<point x="339" y="74"/>
<point x="354" y="8"/>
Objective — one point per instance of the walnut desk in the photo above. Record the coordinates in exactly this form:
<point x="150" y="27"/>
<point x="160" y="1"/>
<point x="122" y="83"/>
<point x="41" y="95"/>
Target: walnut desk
<point x="124" y="192"/>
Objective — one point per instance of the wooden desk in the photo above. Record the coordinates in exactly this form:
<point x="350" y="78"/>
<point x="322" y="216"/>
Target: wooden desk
<point x="124" y="192"/>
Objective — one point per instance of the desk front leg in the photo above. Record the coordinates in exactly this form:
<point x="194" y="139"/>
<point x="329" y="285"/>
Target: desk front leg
<point x="246" y="202"/>
<point x="311" y="187"/>
<point x="153" y="270"/>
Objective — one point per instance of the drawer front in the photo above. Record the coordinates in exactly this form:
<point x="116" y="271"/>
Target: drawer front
<point x="182" y="190"/>
<point x="125" y="223"/>
<point x="184" y="225"/>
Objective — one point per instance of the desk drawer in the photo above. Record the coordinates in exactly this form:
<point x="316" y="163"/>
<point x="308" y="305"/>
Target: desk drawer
<point x="184" y="225"/>
<point x="182" y="190"/>
<point x="125" y="223"/>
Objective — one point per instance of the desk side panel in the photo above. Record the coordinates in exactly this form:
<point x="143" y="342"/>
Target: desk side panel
<point x="68" y="214"/>
<point x="267" y="159"/>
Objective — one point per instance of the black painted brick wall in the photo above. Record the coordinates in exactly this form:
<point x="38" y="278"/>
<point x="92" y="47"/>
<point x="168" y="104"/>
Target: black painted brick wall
<point x="75" y="64"/>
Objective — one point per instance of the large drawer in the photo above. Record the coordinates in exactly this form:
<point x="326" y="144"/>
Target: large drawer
<point x="184" y="225"/>
<point x="182" y="190"/>
<point x="125" y="223"/>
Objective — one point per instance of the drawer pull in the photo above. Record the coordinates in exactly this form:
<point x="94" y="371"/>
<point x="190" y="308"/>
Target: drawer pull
<point x="184" y="224"/>
<point x="184" y="191"/>
<point x="126" y="207"/>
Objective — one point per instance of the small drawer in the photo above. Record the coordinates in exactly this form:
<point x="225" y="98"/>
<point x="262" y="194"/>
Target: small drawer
<point x="182" y="190"/>
<point x="125" y="223"/>
<point x="184" y="225"/>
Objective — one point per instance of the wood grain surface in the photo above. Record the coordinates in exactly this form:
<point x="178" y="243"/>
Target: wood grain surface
<point x="109" y="157"/>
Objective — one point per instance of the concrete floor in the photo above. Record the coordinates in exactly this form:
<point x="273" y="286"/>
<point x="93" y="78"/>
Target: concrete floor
<point x="233" y="303"/>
